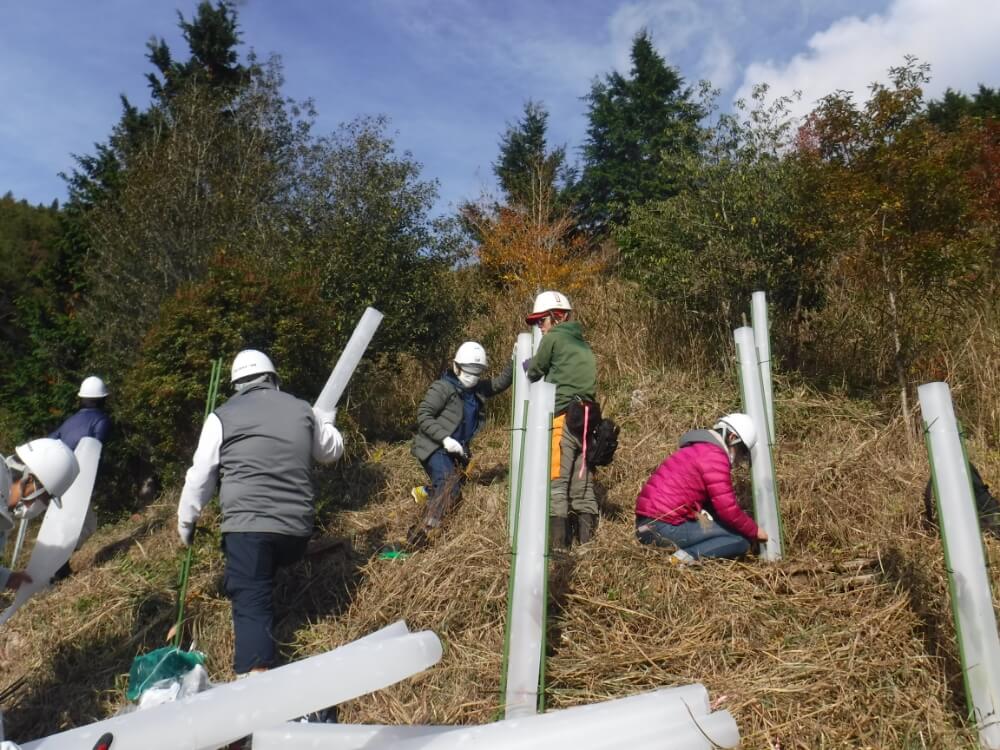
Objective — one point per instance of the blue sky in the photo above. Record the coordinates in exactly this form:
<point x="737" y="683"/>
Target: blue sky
<point x="450" y="74"/>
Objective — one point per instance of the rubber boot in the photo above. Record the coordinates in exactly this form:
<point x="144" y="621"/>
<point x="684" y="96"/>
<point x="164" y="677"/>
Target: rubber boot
<point x="585" y="525"/>
<point x="557" y="532"/>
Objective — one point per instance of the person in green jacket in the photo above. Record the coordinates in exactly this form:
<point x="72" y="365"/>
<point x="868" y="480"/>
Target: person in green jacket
<point x="448" y="418"/>
<point x="564" y="359"/>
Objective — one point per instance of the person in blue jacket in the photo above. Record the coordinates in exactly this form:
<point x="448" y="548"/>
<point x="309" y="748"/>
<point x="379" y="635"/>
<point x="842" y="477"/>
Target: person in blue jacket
<point x="91" y="420"/>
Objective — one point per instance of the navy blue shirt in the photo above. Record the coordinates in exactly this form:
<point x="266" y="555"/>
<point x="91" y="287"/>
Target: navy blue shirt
<point x="87" y="422"/>
<point x="470" y="413"/>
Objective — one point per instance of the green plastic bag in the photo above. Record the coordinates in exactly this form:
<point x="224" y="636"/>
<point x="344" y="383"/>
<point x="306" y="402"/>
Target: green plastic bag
<point x="167" y="663"/>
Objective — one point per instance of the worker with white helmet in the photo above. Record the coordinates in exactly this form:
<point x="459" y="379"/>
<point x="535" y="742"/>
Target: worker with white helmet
<point x="40" y="471"/>
<point x="449" y="416"/>
<point x="91" y="420"/>
<point x="258" y="448"/>
<point x="670" y="510"/>
<point x="565" y="359"/>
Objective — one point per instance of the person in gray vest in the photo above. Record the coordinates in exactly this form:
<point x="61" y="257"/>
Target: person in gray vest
<point x="258" y="448"/>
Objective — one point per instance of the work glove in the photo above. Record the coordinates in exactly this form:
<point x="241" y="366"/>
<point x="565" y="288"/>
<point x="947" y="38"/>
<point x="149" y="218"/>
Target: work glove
<point x="325" y="417"/>
<point x="525" y="365"/>
<point x="185" y="529"/>
<point x="453" y="446"/>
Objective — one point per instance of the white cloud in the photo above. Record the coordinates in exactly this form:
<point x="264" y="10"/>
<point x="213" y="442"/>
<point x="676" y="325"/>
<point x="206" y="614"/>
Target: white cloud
<point x="958" y="39"/>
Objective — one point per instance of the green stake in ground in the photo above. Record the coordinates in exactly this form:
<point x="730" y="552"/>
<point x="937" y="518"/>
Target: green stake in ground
<point x="175" y="631"/>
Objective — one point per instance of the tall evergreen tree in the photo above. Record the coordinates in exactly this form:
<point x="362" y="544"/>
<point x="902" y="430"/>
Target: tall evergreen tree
<point x="531" y="176"/>
<point x="638" y="126"/>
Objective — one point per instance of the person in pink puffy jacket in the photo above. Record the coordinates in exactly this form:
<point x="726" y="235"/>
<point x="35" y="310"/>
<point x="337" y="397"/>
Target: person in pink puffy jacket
<point x="670" y="510"/>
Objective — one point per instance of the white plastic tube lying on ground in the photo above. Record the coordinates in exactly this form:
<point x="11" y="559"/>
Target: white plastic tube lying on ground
<point x="349" y="358"/>
<point x="60" y="528"/>
<point x="234" y="710"/>
<point x="762" y="338"/>
<point x="296" y="736"/>
<point x="526" y="621"/>
<point x="520" y="397"/>
<point x="765" y="491"/>
<point x="971" y="601"/>
<point x="662" y="719"/>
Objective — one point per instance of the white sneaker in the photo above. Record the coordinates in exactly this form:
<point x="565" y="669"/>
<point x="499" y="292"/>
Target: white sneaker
<point x="680" y="557"/>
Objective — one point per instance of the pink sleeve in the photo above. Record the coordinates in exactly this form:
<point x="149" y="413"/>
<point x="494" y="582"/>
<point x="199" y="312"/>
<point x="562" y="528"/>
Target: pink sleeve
<point x="719" y="483"/>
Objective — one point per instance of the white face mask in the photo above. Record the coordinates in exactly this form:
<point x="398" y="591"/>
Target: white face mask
<point x="467" y="379"/>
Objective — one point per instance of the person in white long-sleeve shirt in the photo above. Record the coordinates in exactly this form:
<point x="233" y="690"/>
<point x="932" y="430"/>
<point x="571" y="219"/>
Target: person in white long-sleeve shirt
<point x="258" y="449"/>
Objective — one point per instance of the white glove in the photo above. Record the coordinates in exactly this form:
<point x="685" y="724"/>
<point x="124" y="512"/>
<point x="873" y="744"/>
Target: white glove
<point x="452" y="446"/>
<point x="325" y="417"/>
<point x="185" y="529"/>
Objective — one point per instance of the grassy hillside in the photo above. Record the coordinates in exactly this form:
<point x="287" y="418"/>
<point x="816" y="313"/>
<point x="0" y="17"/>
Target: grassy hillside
<point x="848" y="643"/>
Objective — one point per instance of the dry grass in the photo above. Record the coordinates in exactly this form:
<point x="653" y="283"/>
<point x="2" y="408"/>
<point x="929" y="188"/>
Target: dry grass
<point x="814" y="652"/>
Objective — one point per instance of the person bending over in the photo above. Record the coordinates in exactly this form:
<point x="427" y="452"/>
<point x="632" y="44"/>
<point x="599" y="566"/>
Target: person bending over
<point x="670" y="510"/>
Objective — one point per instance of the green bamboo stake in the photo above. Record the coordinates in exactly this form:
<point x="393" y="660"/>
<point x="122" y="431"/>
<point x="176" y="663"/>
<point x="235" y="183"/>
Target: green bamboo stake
<point x="182" y="583"/>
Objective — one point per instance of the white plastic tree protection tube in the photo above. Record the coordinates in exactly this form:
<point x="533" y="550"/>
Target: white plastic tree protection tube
<point x="522" y="351"/>
<point x="643" y="718"/>
<point x="60" y="528"/>
<point x="296" y="736"/>
<point x="765" y="491"/>
<point x="266" y="699"/>
<point x="349" y="358"/>
<point x="663" y="724"/>
<point x="526" y="623"/>
<point x="971" y="601"/>
<point x="762" y="338"/>
<point x="536" y="339"/>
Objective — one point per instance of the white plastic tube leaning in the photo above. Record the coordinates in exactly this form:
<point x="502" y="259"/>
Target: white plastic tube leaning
<point x="349" y="358"/>
<point x="520" y="397"/>
<point x="526" y="625"/>
<point x="971" y="601"/>
<point x="61" y="526"/>
<point x="765" y="492"/>
<point x="762" y="338"/>
<point x="234" y="710"/>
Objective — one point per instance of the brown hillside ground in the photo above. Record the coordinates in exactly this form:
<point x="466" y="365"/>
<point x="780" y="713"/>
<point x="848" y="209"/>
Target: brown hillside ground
<point x="848" y="643"/>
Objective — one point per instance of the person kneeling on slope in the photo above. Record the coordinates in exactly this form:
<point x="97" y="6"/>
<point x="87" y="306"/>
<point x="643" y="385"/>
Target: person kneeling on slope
<point x="669" y="511"/>
<point x="448" y="418"/>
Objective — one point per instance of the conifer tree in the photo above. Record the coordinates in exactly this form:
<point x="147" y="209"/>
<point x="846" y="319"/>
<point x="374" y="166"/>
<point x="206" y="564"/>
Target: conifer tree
<point x="638" y="126"/>
<point x="531" y="176"/>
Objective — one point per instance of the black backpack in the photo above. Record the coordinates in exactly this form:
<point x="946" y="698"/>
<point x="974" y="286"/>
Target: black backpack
<point x="602" y="434"/>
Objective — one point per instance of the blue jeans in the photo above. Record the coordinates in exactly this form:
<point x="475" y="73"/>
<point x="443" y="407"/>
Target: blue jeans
<point x="252" y="559"/>
<point x="699" y="539"/>
<point x="446" y="479"/>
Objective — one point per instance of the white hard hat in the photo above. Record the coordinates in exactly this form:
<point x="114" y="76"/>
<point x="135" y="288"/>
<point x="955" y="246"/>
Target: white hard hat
<point x="471" y="357"/>
<point x="51" y="462"/>
<point x="93" y="387"/>
<point x="742" y="425"/>
<point x="250" y="362"/>
<point x="545" y="303"/>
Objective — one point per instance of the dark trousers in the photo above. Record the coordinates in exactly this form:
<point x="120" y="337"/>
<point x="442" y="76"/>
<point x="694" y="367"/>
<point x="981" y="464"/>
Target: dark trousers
<point x="252" y="559"/>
